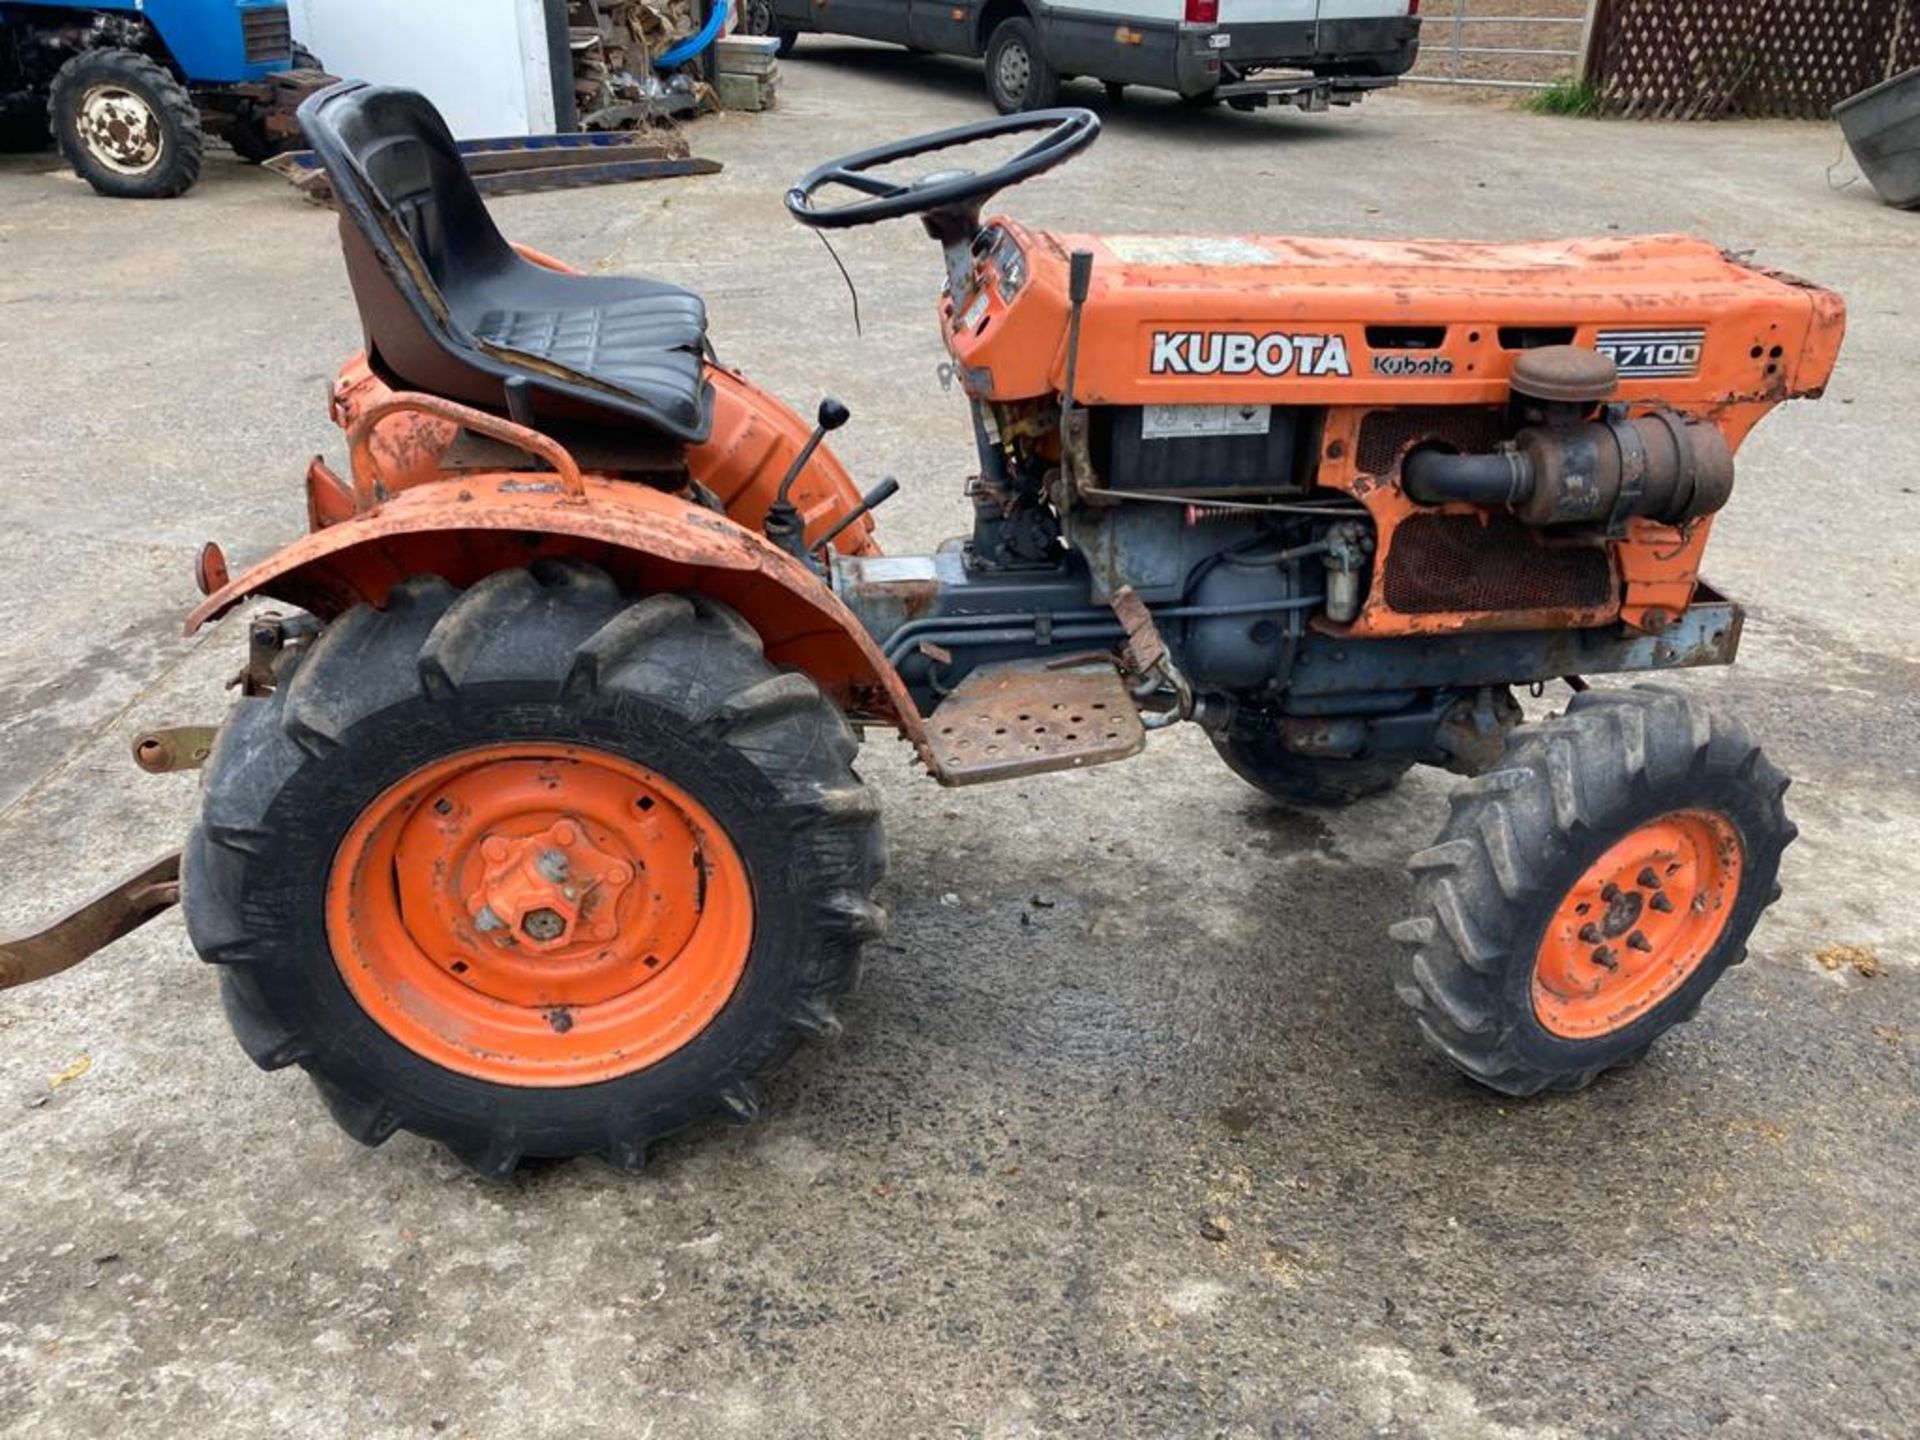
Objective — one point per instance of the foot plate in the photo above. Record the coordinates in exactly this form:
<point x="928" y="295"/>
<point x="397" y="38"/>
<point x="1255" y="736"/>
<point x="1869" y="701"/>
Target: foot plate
<point x="1010" y="720"/>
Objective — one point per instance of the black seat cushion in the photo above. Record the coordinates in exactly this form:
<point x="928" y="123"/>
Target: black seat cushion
<point x="451" y="308"/>
<point x="648" y="346"/>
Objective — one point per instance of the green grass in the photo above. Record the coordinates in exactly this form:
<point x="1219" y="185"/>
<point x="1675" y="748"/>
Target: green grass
<point x="1566" y="97"/>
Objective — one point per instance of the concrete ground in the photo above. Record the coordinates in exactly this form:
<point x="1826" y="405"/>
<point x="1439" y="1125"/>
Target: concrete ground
<point x="1128" y="1135"/>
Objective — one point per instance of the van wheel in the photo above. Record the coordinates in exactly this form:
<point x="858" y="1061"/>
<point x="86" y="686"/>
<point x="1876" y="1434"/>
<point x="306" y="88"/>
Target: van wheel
<point x="1018" y="75"/>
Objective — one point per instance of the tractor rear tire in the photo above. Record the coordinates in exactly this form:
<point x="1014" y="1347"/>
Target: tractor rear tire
<point x="422" y="756"/>
<point x="128" y="128"/>
<point x="1584" y="896"/>
<point x="1253" y="752"/>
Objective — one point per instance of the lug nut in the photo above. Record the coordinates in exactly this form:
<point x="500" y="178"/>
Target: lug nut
<point x="1610" y="893"/>
<point x="1661" y="903"/>
<point x="1647" y="879"/>
<point x="1591" y="934"/>
<point x="1637" y="941"/>
<point x="1603" y="957"/>
<point x="544" y="924"/>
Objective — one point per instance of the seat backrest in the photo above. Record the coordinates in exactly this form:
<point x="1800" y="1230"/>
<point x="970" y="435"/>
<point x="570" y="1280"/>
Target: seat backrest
<point x="435" y="281"/>
<point x="414" y="230"/>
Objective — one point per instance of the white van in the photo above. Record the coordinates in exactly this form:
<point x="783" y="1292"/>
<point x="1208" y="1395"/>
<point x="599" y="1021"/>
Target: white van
<point x="1206" y="50"/>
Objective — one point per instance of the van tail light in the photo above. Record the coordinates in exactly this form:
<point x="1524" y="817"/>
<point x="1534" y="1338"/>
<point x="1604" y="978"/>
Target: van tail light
<point x="1413" y="7"/>
<point x="1203" y="12"/>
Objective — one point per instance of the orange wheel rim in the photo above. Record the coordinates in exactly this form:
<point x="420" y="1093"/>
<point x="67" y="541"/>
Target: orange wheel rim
<point x="1637" y="924"/>
<point x="539" y="914"/>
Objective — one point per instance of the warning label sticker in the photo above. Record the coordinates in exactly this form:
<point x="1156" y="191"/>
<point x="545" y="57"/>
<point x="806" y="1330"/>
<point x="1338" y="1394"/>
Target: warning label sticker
<point x="1188" y="250"/>
<point x="1181" y="422"/>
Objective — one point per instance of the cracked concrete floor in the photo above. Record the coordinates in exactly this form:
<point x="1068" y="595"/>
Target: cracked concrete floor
<point x="1155" y="1155"/>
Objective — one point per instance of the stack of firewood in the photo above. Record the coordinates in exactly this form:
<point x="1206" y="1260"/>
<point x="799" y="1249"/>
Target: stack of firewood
<point x="615" y="84"/>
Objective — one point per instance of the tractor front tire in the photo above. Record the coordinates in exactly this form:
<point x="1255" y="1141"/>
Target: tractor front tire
<point x="1018" y="74"/>
<point x="1584" y="896"/>
<point x="534" y="869"/>
<point x="1253" y="751"/>
<point x="128" y="128"/>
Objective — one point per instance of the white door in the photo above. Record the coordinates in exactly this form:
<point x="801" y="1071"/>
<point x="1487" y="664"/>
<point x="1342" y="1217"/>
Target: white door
<point x="485" y="63"/>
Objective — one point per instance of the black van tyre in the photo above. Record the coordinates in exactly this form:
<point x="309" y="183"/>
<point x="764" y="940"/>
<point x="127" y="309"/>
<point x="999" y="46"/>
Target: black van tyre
<point x="1253" y="751"/>
<point x="1520" y="837"/>
<point x="555" y="653"/>
<point x="156" y="158"/>
<point x="1018" y="75"/>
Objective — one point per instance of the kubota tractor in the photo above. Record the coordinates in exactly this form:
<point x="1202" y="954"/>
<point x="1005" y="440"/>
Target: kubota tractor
<point x="538" y="830"/>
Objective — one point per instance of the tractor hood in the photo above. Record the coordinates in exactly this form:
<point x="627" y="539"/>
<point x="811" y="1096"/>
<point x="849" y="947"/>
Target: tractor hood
<point x="1175" y="319"/>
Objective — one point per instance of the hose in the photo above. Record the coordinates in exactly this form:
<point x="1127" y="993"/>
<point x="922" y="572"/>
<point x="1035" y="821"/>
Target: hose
<point x="1435" y="476"/>
<point x="699" y="40"/>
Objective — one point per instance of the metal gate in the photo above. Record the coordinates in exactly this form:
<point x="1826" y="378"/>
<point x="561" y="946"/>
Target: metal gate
<point x="1502" y="44"/>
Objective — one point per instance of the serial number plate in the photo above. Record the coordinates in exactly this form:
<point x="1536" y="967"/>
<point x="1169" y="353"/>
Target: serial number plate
<point x="1184" y="422"/>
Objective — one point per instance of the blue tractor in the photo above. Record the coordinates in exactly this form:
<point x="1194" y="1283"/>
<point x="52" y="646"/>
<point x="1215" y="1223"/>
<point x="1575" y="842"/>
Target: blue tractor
<point x="130" y="89"/>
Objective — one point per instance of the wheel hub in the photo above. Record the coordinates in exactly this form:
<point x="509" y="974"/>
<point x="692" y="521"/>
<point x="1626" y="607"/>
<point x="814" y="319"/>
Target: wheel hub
<point x="1016" y="69"/>
<point x="120" y="128"/>
<point x="549" y="889"/>
<point x="1636" y="924"/>
<point x="539" y="914"/>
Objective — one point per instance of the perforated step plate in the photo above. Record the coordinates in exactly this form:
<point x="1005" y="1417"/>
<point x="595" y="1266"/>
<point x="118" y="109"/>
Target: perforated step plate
<point x="1006" y="721"/>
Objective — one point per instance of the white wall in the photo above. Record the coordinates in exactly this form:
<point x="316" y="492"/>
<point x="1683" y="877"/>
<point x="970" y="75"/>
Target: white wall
<point x="483" y="62"/>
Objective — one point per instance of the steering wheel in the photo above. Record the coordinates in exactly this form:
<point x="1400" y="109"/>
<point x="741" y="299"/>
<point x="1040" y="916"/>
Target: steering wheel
<point x="1067" y="133"/>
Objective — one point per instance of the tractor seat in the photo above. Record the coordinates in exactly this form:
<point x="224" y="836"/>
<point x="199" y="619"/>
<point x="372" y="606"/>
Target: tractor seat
<point x="450" y="308"/>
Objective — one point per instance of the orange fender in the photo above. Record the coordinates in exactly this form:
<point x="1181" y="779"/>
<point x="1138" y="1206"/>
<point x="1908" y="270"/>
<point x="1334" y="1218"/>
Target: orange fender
<point x="464" y="525"/>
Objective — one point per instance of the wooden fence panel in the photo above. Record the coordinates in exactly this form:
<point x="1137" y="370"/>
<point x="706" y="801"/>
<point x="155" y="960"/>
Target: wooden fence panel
<point x="1703" y="59"/>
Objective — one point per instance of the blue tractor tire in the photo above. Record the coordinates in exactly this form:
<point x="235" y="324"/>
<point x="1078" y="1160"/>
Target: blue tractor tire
<point x="126" y="125"/>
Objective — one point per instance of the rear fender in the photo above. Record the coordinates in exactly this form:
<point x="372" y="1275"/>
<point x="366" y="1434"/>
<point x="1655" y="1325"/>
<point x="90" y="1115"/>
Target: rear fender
<point x="469" y="524"/>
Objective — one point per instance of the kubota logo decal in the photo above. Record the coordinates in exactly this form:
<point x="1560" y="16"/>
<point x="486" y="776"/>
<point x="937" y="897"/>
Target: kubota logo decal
<point x="1228" y="352"/>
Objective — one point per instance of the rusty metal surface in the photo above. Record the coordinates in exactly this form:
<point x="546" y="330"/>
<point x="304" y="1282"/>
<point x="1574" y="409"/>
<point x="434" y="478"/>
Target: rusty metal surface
<point x="466" y="526"/>
<point x="181" y="747"/>
<point x="1007" y="721"/>
<point x="1146" y="651"/>
<point x="92" y="925"/>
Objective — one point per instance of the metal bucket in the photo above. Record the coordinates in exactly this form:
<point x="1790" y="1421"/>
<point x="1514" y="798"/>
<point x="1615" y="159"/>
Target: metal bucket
<point x="1882" y="125"/>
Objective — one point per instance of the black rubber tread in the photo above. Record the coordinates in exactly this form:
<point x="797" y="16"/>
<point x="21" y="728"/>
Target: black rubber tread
<point x="248" y="139"/>
<point x="1519" y="837"/>
<point x="1253" y="751"/>
<point x="179" y="164"/>
<point x="1043" y="84"/>
<point x="555" y="653"/>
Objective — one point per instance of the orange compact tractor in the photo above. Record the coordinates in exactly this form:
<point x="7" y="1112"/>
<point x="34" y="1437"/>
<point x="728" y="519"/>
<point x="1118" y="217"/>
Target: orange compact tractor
<point x="537" y="830"/>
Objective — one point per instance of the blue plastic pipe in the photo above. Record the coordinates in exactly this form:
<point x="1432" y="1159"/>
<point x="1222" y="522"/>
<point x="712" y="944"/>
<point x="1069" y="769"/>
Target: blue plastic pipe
<point x="699" y="40"/>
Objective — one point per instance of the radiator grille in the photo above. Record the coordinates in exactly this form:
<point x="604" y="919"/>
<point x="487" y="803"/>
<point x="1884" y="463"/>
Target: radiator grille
<point x="1446" y="563"/>
<point x="268" y="35"/>
<point x="1385" y="435"/>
